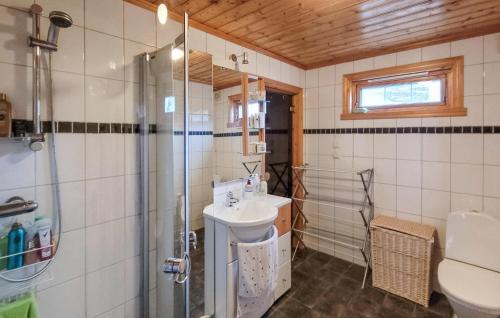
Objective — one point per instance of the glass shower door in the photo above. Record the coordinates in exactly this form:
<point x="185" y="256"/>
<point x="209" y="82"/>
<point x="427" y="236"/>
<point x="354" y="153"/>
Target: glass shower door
<point x="164" y="182"/>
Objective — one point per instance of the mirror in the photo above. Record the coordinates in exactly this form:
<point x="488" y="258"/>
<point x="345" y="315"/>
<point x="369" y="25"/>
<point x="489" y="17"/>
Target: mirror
<point x="242" y="96"/>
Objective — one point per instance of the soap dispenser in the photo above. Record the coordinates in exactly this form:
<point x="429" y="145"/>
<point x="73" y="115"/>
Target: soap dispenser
<point x="249" y="189"/>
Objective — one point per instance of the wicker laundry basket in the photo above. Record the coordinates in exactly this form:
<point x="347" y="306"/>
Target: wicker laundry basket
<point x="401" y="258"/>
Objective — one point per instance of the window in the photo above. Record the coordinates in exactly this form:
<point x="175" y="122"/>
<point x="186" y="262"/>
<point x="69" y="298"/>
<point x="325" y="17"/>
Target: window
<point x="236" y="110"/>
<point x="428" y="89"/>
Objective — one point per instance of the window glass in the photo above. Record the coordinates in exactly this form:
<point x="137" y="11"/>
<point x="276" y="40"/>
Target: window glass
<point x="404" y="94"/>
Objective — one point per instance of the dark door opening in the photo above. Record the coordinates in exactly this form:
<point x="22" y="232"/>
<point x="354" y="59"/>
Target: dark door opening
<point x="279" y="143"/>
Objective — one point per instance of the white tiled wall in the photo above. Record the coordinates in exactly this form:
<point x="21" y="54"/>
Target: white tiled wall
<point x="95" y="272"/>
<point x="420" y="177"/>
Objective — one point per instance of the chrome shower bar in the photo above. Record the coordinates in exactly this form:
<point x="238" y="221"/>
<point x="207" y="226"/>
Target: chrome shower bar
<point x="17" y="208"/>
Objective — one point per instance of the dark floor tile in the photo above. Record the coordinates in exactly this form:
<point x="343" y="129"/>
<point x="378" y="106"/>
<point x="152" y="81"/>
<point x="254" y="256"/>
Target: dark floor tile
<point x="348" y="285"/>
<point x="294" y="308"/>
<point x="394" y="306"/>
<point x="197" y="311"/>
<point x="440" y="305"/>
<point x="308" y="296"/>
<point x="338" y="265"/>
<point x="366" y="304"/>
<point x="422" y="312"/>
<point x="355" y="272"/>
<point x="330" y="308"/>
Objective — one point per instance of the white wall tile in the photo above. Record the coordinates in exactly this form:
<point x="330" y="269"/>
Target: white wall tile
<point x="139" y="24"/>
<point x="491" y="207"/>
<point x="274" y="69"/>
<point x="385" y="196"/>
<point x="436" y="175"/>
<point x="473" y="80"/>
<point x="312" y="78"/>
<point x="385" y="146"/>
<point x="105" y="289"/>
<point x="363" y="65"/>
<point x="326" y="96"/>
<point x="434" y="52"/>
<point x="492" y="110"/>
<point x="492" y="48"/>
<point x="104" y="100"/>
<point x="467" y="148"/>
<point x="409" y="200"/>
<point x="104" y="155"/>
<point x="104" y="244"/>
<point x="471" y="49"/>
<point x="492" y="78"/>
<point x="383" y="61"/>
<point x="385" y="171"/>
<point x="69" y="262"/>
<point x="262" y="65"/>
<point x="73" y="294"/>
<point x="104" y="16"/>
<point x="341" y="69"/>
<point x="70" y="162"/>
<point x="104" y="200"/>
<point x="436" y="147"/>
<point x="409" y="173"/>
<point x="363" y="145"/>
<point x="408" y="57"/>
<point x="326" y="75"/>
<point x="492" y="181"/>
<point x="467" y="179"/>
<point x="16" y="27"/>
<point x="409" y="146"/>
<point x="18" y="89"/>
<point x="461" y="201"/>
<point x="435" y="204"/>
<point x="132" y="49"/>
<point x="217" y="48"/>
<point x="18" y="166"/>
<point x="198" y="39"/>
<point x="68" y="97"/>
<point x="103" y="55"/>
<point x="492" y="149"/>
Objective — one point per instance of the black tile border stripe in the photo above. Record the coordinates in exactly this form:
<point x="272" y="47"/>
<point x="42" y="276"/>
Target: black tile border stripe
<point x="407" y="130"/>
<point x="22" y="126"/>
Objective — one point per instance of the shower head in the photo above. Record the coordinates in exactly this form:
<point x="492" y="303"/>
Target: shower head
<point x="58" y="19"/>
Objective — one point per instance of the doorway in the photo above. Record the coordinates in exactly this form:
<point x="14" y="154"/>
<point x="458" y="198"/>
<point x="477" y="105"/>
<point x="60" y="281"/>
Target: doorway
<point x="279" y="142"/>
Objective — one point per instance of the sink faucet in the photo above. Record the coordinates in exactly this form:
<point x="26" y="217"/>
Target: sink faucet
<point x="230" y="199"/>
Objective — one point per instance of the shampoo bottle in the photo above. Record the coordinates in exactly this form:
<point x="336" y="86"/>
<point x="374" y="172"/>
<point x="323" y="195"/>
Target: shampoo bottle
<point x="5" y="116"/>
<point x="15" y="244"/>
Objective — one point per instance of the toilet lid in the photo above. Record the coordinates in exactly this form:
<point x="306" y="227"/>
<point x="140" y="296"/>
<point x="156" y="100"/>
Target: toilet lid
<point x="474" y="286"/>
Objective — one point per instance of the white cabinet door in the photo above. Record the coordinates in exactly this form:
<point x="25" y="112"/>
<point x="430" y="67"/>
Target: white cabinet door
<point x="284" y="248"/>
<point x="284" y="280"/>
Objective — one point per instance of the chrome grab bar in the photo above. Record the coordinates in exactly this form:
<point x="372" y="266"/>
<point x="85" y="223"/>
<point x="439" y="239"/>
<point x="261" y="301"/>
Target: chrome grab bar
<point x="17" y="208"/>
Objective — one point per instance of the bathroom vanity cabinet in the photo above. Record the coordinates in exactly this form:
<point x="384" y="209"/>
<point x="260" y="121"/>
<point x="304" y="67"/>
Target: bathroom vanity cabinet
<point x="284" y="225"/>
<point x="221" y="259"/>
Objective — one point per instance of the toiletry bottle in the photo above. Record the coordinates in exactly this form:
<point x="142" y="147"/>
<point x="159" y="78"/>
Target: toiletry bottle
<point x="248" y="189"/>
<point x="4" y="243"/>
<point x="43" y="238"/>
<point x="15" y="243"/>
<point x="31" y="255"/>
<point x="263" y="185"/>
<point x="5" y="116"/>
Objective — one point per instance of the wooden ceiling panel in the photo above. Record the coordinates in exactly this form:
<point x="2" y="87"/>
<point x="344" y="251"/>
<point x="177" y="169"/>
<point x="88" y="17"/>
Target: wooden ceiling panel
<point x="313" y="33"/>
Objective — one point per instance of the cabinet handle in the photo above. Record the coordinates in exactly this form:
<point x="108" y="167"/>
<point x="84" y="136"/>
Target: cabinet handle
<point x="283" y="220"/>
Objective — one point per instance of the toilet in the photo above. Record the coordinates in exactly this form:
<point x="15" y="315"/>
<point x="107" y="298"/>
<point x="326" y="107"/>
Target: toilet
<point x="469" y="275"/>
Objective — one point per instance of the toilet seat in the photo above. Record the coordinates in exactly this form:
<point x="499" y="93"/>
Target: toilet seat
<point x="474" y="287"/>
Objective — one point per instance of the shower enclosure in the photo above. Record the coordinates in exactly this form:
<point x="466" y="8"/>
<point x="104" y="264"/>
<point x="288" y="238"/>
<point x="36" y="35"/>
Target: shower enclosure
<point x="165" y="208"/>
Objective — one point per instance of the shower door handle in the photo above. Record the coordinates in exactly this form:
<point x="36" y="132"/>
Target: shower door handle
<point x="193" y="239"/>
<point x="178" y="267"/>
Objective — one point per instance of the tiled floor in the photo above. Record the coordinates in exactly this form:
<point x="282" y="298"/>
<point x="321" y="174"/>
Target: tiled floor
<point x="325" y="286"/>
<point x="197" y="281"/>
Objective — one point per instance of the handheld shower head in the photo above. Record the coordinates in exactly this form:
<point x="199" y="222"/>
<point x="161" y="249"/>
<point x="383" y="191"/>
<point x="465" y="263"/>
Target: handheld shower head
<point x="58" y="19"/>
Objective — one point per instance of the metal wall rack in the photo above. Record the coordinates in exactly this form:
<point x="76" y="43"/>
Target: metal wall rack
<point x="359" y="183"/>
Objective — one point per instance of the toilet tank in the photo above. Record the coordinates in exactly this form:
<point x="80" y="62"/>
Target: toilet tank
<point x="473" y="238"/>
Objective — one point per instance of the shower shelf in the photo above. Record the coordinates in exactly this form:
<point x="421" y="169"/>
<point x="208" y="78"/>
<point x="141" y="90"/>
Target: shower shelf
<point x="22" y="139"/>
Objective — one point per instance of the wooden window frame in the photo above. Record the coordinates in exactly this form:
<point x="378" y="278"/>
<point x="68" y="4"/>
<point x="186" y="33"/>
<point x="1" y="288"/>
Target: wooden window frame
<point x="449" y="70"/>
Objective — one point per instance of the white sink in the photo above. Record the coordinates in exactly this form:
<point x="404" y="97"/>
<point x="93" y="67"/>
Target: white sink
<point x="249" y="220"/>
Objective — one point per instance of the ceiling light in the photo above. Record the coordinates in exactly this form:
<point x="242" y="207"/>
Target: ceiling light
<point x="162" y="13"/>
